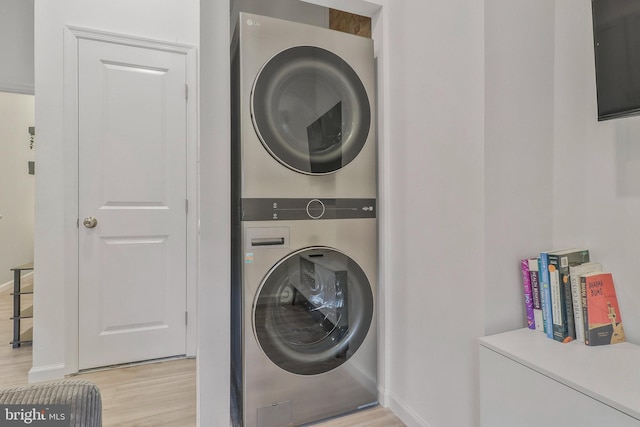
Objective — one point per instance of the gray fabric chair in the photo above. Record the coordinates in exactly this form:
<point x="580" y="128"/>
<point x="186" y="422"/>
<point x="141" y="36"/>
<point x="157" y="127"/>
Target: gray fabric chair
<point x="82" y="396"/>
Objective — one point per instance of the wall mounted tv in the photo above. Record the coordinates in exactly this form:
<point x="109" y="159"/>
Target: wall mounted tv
<point x="616" y="36"/>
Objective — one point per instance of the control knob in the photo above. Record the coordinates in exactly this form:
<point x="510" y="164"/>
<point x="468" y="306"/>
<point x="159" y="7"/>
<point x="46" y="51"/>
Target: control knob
<point x="315" y="209"/>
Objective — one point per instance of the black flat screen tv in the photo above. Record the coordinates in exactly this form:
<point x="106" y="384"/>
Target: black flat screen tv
<point x="616" y="36"/>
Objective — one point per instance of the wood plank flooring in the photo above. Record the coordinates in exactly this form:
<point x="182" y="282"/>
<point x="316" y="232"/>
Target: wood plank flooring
<point x="161" y="394"/>
<point x="155" y="394"/>
<point x="374" y="417"/>
<point x="14" y="363"/>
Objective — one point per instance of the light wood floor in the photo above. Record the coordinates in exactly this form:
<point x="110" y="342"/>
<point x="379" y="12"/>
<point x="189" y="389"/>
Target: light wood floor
<point x="149" y="395"/>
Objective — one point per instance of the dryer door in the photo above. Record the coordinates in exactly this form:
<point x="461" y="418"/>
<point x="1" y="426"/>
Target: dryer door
<point x="312" y="311"/>
<point x="310" y="110"/>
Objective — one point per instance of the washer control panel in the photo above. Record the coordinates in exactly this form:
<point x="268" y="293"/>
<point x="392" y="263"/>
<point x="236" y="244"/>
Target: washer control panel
<point x="266" y="209"/>
<point x="316" y="209"/>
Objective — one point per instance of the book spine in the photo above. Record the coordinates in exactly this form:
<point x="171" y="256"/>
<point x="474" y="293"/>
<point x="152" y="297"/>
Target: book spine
<point x="575" y="274"/>
<point x="585" y="312"/>
<point x="535" y="292"/>
<point x="576" y="299"/>
<point x="559" y="321"/>
<point x="528" y="295"/>
<point x="545" y="293"/>
<point x="567" y="308"/>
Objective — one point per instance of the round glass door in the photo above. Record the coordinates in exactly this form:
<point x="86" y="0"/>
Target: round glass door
<point x="310" y="110"/>
<point x="313" y="311"/>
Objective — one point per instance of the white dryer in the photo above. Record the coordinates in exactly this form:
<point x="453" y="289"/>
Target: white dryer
<point x="304" y="122"/>
<point x="305" y="342"/>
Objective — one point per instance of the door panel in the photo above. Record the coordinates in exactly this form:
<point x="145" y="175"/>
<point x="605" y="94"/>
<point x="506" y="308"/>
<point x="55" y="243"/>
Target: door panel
<point x="313" y="310"/>
<point x="310" y="110"/>
<point x="132" y="179"/>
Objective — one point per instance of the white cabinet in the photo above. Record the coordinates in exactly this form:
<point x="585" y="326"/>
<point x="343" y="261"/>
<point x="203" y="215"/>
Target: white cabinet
<point x="527" y="379"/>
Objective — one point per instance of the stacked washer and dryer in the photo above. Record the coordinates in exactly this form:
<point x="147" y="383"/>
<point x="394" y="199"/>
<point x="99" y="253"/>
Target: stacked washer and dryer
<point x="304" y="237"/>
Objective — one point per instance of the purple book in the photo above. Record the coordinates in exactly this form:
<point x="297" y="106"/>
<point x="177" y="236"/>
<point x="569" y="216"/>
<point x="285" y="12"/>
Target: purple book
<point x="528" y="293"/>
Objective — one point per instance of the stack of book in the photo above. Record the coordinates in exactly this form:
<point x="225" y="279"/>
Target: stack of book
<point x="569" y="297"/>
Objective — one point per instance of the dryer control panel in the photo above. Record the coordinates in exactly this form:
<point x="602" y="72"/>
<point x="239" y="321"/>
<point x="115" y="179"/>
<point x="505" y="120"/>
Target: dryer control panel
<point x="266" y="209"/>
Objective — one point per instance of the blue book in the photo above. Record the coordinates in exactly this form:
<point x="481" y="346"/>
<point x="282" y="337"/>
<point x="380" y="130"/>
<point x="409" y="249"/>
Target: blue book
<point x="561" y="301"/>
<point x="545" y="294"/>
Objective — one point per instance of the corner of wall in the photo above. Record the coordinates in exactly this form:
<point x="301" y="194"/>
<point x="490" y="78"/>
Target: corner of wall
<point x="46" y="373"/>
<point x="404" y="412"/>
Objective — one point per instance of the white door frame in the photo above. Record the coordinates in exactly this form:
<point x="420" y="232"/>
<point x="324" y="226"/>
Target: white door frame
<point x="72" y="36"/>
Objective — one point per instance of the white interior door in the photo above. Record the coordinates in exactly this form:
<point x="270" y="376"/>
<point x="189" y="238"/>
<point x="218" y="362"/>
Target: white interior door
<point x="132" y="180"/>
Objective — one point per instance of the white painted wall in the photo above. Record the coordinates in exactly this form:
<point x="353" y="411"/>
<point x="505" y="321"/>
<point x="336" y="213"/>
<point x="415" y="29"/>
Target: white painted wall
<point x="437" y="221"/>
<point x="519" y="54"/>
<point x="215" y="216"/>
<point x="16" y="185"/>
<point x="169" y="20"/>
<point x="16" y="46"/>
<point x="597" y="165"/>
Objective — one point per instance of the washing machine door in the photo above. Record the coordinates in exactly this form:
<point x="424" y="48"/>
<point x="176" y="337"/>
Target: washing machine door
<point x="310" y="110"/>
<point x="312" y="311"/>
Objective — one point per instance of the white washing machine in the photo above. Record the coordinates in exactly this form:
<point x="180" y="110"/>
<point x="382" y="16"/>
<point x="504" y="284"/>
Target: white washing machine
<point x="305" y="338"/>
<point x="304" y="122"/>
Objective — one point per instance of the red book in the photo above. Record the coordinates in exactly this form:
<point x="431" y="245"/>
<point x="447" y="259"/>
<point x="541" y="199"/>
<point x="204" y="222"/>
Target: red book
<point x="602" y="318"/>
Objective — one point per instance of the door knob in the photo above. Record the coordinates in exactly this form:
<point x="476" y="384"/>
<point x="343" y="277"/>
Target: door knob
<point x="90" y="222"/>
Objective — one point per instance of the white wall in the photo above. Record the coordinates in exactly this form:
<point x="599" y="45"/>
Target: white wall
<point x="519" y="53"/>
<point x="16" y="46"/>
<point x="436" y="225"/>
<point x="215" y="216"/>
<point x="16" y="185"/>
<point x="597" y="166"/>
<point x="169" y="20"/>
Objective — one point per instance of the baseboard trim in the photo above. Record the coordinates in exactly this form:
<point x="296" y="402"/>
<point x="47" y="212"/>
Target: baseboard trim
<point x="404" y="412"/>
<point x="23" y="88"/>
<point x="46" y="373"/>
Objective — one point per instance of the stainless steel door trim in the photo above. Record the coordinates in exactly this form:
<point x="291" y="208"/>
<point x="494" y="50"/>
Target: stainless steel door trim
<point x="313" y="310"/>
<point x="293" y="92"/>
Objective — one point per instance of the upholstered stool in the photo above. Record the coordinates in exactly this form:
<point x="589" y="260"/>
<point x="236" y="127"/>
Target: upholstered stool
<point x="82" y="396"/>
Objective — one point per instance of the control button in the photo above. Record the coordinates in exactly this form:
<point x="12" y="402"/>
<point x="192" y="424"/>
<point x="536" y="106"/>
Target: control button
<point x="315" y="209"/>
